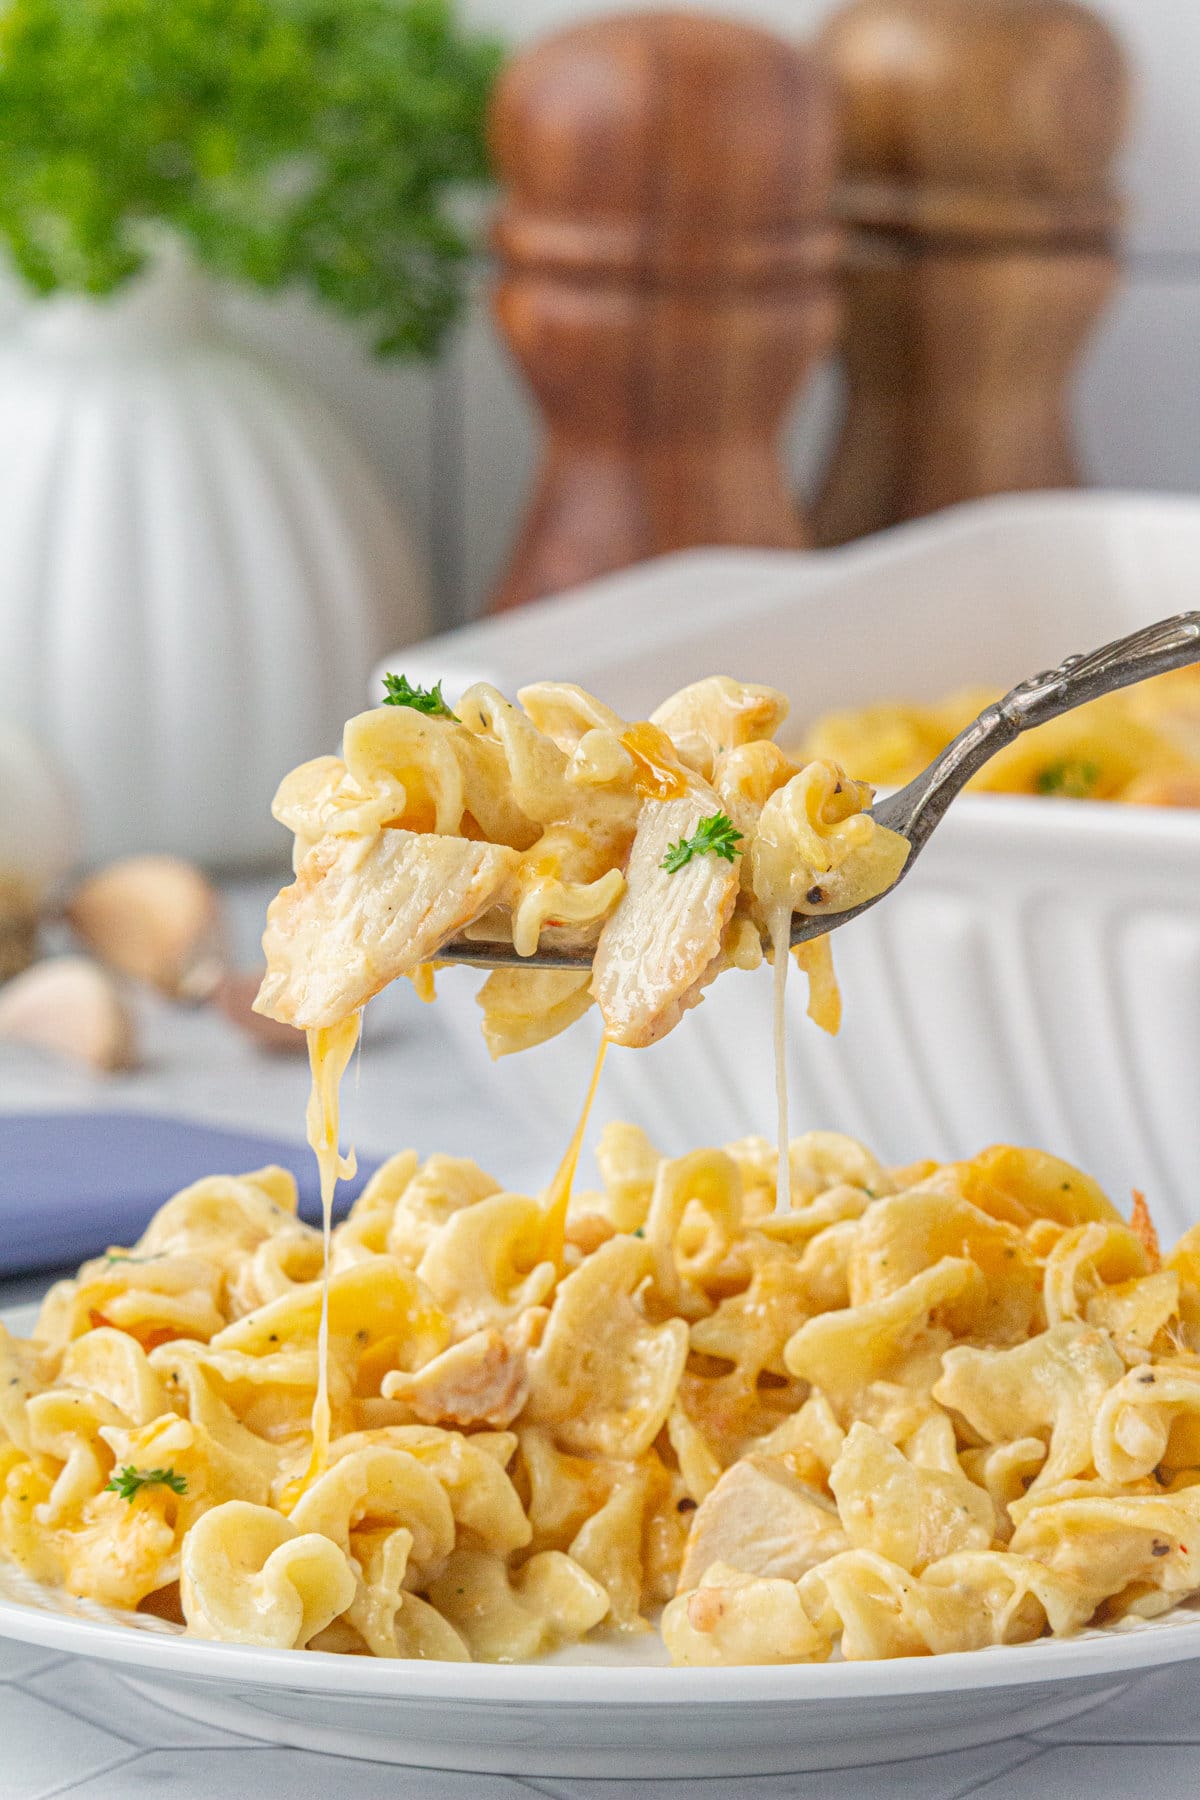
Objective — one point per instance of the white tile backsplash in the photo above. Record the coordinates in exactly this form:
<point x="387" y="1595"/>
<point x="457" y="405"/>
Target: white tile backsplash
<point x="1162" y="165"/>
<point x="1137" y="398"/>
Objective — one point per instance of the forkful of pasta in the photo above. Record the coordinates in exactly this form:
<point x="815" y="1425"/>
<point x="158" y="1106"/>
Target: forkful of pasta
<point x="586" y="859"/>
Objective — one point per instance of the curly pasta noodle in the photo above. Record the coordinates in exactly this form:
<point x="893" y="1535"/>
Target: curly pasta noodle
<point x="921" y="1410"/>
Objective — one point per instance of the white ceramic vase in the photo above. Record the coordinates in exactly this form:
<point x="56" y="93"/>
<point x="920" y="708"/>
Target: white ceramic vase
<point x="198" y="568"/>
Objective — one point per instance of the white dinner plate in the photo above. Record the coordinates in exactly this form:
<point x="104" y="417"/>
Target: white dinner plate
<point x="603" y="1710"/>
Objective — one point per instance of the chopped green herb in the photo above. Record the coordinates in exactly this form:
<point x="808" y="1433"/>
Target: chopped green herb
<point x="128" y="1481"/>
<point x="423" y="700"/>
<point x="115" y="1256"/>
<point x="640" y="1232"/>
<point x="717" y="835"/>
<point x="1072" y="779"/>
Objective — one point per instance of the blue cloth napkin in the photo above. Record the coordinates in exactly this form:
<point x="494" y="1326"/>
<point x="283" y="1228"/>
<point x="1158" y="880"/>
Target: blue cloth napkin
<point x="72" y="1184"/>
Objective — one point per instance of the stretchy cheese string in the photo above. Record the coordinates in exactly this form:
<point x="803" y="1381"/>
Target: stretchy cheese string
<point x="780" y="927"/>
<point x="558" y="1194"/>
<point x="329" y="1051"/>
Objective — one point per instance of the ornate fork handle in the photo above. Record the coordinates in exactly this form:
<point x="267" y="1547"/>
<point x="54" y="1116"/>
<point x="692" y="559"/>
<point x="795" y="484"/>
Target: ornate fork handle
<point x="918" y="808"/>
<point x="1167" y="644"/>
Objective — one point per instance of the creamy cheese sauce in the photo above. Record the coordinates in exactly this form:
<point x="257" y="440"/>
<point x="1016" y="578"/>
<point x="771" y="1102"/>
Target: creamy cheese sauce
<point x="780" y="928"/>
<point x="329" y="1053"/>
<point x="657" y="774"/>
<point x="558" y="1194"/>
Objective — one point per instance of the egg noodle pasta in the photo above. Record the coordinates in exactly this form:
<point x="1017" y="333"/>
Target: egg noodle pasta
<point x="924" y="1409"/>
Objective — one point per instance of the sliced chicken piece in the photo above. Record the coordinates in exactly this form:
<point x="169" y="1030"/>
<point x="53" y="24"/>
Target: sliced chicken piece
<point x="762" y="1520"/>
<point x="718" y="714"/>
<point x="665" y="938"/>
<point x="484" y="1380"/>
<point x="363" y="911"/>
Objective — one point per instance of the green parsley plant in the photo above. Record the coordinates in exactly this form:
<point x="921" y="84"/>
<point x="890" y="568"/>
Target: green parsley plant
<point x="318" y="144"/>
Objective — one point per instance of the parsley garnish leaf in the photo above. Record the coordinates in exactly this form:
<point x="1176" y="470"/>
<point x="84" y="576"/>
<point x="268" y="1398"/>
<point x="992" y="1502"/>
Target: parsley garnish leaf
<point x="423" y="700"/>
<point x="1073" y="779"/>
<point x="716" y="835"/>
<point x="128" y="1481"/>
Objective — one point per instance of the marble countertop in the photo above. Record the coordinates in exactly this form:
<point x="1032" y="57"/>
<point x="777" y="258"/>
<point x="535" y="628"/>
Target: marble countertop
<point x="71" y="1728"/>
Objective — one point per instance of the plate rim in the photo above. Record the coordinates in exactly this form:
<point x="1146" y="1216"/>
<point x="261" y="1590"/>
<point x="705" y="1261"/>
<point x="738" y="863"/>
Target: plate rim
<point x="1124" y="1649"/>
<point x="1041" y="1662"/>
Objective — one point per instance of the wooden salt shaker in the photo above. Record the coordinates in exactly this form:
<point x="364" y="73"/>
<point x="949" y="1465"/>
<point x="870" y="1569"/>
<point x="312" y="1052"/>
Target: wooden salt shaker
<point x="978" y="142"/>
<point x="665" y="283"/>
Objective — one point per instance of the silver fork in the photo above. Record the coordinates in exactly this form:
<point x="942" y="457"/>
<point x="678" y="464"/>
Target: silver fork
<point x="917" y="810"/>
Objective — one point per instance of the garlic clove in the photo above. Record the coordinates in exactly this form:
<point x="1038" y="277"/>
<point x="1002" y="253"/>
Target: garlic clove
<point x="72" y="1006"/>
<point x="156" y="918"/>
<point x="234" y="996"/>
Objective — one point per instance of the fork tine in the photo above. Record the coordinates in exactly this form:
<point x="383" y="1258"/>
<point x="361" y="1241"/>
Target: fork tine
<point x="503" y="956"/>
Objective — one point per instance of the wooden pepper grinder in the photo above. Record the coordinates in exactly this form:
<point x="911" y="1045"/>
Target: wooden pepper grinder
<point x="978" y="142"/>
<point x="666" y="282"/>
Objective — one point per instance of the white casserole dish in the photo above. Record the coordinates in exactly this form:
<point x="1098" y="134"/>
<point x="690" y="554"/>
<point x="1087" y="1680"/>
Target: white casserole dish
<point x="1037" y="978"/>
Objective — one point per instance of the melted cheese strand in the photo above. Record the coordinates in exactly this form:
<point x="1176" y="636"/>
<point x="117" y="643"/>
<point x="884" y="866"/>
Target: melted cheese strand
<point x="558" y="1194"/>
<point x="780" y="927"/>
<point x="656" y="771"/>
<point x="329" y="1051"/>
